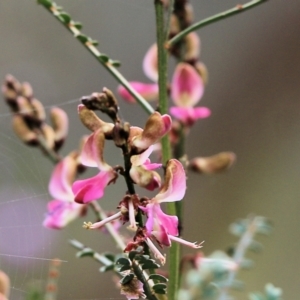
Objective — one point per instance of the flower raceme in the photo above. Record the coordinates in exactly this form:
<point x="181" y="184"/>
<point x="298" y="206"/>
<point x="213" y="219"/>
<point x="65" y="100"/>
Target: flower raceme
<point x="138" y="141"/>
<point x="62" y="210"/>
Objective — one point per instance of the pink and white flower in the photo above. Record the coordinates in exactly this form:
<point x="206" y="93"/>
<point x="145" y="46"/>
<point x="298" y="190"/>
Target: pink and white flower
<point x="187" y="90"/>
<point x="163" y="227"/>
<point x="90" y="189"/>
<point x="62" y="210"/>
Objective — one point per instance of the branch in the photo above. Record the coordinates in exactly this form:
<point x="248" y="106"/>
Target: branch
<point x="223" y="15"/>
<point x="90" y="45"/>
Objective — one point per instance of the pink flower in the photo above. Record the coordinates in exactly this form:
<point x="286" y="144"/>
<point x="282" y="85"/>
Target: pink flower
<point x="148" y="90"/>
<point x="160" y="225"/>
<point x="63" y="209"/>
<point x="141" y="171"/>
<point x="155" y="128"/>
<point x="92" y="156"/>
<point x="187" y="89"/>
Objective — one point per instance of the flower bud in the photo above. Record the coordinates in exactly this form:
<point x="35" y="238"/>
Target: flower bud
<point x="39" y="110"/>
<point x="26" y="90"/>
<point x="192" y="47"/>
<point x="49" y="135"/>
<point x="202" y="70"/>
<point x="213" y="164"/>
<point x="10" y="91"/>
<point x="105" y="102"/>
<point x="145" y="178"/>
<point x="60" y="124"/>
<point x="174" y="25"/>
<point x="22" y="130"/>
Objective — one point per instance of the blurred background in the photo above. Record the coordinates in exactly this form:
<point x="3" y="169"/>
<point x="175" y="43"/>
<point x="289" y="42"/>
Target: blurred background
<point x="253" y="61"/>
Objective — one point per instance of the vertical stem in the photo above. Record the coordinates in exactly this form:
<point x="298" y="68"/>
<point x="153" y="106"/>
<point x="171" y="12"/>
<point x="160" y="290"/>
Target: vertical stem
<point x="174" y="254"/>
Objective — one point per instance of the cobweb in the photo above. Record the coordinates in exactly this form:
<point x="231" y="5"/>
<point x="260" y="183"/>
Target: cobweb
<point x="26" y="247"/>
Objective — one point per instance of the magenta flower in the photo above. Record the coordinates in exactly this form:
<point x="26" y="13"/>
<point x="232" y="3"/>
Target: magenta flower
<point x="63" y="209"/>
<point x="148" y="90"/>
<point x="187" y="89"/>
<point x="90" y="189"/>
<point x="141" y="171"/>
<point x="161" y="226"/>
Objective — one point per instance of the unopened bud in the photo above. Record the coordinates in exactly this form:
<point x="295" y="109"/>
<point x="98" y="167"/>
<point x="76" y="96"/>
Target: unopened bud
<point x="49" y="135"/>
<point x="39" y="110"/>
<point x="105" y="102"/>
<point x="192" y="47"/>
<point x="121" y="134"/>
<point x="213" y="164"/>
<point x="174" y="25"/>
<point x="60" y="124"/>
<point x="202" y="70"/>
<point x="26" y="90"/>
<point x="23" y="132"/>
<point x="189" y="14"/>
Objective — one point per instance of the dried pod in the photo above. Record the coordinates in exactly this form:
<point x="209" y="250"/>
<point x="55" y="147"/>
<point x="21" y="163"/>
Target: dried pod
<point x="4" y="285"/>
<point x="91" y="121"/>
<point x="60" y="124"/>
<point x="22" y="130"/>
<point x="49" y="135"/>
<point x="213" y="164"/>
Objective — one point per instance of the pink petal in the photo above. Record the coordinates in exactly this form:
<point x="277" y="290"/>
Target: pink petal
<point x="175" y="183"/>
<point x="61" y="213"/>
<point x="156" y="127"/>
<point x="188" y="115"/>
<point x="145" y="178"/>
<point x="150" y="63"/>
<point x="170" y="223"/>
<point x="148" y="90"/>
<point x="142" y="158"/>
<point x="92" y="188"/>
<point x="92" y="151"/>
<point x="61" y="179"/>
<point x="187" y="86"/>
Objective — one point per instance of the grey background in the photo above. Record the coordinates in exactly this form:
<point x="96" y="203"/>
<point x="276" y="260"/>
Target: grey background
<point x="254" y="63"/>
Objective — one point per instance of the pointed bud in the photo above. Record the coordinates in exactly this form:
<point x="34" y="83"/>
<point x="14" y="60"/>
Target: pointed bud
<point x="22" y="131"/>
<point x="26" y="90"/>
<point x="49" y="135"/>
<point x="213" y="164"/>
<point x="105" y="102"/>
<point x="192" y="47"/>
<point x="60" y="124"/>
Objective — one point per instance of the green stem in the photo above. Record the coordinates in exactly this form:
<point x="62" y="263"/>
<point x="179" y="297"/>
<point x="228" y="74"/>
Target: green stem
<point x="89" y="44"/>
<point x="223" y="15"/>
<point x="174" y="255"/>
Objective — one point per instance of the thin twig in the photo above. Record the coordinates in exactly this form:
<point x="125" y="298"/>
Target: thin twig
<point x="223" y="15"/>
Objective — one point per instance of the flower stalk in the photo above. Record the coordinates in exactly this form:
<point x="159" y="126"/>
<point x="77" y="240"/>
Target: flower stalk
<point x="215" y="18"/>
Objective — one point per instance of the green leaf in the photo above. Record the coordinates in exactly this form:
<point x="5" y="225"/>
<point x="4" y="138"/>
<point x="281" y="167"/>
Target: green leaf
<point x="93" y="42"/>
<point x="124" y="268"/>
<point x="46" y="3"/>
<point x="160" y="291"/>
<point x="116" y="63"/>
<point x="78" y="25"/>
<point x="150" y="265"/>
<point x="143" y="258"/>
<point x="103" y="58"/>
<point x="65" y="17"/>
<point x="127" y="278"/>
<point x="107" y="268"/>
<point x="159" y="286"/>
<point x="158" y="277"/>
<point x="85" y="252"/>
<point x="82" y="38"/>
<point x="110" y="256"/>
<point x="123" y="261"/>
<point x="76" y="244"/>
